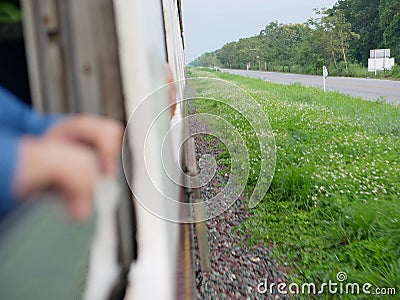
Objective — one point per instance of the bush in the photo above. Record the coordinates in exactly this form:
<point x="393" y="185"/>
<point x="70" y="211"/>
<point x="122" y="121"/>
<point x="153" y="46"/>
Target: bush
<point x="396" y="72"/>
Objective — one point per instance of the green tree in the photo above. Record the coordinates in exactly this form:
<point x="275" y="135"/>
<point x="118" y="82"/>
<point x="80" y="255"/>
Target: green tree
<point x="284" y="41"/>
<point x="208" y="59"/>
<point x="10" y="11"/>
<point x="268" y="28"/>
<point x="340" y="34"/>
<point x="365" y="21"/>
<point x="317" y="47"/>
<point x="227" y="55"/>
<point x="329" y="41"/>
<point x="389" y="11"/>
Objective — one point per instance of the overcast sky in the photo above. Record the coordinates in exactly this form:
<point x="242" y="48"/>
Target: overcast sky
<point x="209" y="24"/>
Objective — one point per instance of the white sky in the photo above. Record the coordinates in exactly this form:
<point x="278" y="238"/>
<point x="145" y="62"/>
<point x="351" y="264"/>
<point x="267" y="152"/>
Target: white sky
<point x="209" y="24"/>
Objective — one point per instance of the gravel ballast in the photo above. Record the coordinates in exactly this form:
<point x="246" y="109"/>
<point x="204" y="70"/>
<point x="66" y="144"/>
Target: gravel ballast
<point x="237" y="270"/>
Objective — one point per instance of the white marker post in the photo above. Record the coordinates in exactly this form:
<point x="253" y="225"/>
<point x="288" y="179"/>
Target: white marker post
<point x="325" y="74"/>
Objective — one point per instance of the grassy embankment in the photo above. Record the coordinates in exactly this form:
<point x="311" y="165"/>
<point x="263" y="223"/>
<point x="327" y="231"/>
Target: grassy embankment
<point x="334" y="203"/>
<point x="354" y="70"/>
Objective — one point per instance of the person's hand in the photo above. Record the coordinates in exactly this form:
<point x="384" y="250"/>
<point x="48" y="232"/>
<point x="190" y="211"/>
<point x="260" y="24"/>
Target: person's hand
<point x="68" y="167"/>
<point x="104" y="134"/>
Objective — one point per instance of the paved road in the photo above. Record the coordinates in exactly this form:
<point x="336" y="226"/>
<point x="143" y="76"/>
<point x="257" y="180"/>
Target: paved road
<point x="370" y="89"/>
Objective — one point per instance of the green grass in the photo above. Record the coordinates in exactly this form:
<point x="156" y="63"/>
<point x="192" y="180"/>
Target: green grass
<point x="334" y="203"/>
<point x="354" y="70"/>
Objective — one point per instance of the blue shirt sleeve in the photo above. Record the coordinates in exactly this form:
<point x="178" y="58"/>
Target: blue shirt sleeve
<point x="9" y="144"/>
<point x="19" y="118"/>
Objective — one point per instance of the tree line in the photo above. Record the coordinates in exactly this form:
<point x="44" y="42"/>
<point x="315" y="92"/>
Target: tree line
<point x="339" y="37"/>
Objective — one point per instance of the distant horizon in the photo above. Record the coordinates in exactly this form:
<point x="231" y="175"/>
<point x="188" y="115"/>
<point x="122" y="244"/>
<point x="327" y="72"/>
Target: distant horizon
<point x="209" y="25"/>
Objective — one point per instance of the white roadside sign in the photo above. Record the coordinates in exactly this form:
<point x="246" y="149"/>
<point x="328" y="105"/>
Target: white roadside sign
<point x="325" y="74"/>
<point x="379" y="60"/>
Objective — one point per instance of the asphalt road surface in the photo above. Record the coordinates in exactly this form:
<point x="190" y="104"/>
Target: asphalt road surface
<point x="370" y="89"/>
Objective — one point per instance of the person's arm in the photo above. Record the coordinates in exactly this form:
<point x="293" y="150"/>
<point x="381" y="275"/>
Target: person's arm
<point x="29" y="164"/>
<point x="70" y="168"/>
<point x="16" y="116"/>
<point x="8" y="160"/>
<point x="43" y="151"/>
